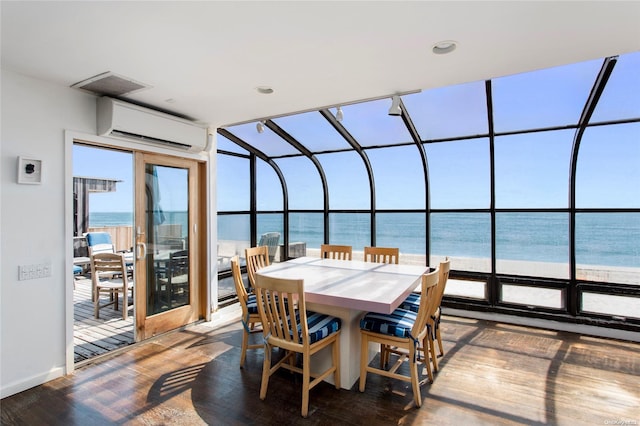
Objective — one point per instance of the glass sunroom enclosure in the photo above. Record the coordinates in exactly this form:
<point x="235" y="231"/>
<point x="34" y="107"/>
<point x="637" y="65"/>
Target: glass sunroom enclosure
<point x="529" y="183"/>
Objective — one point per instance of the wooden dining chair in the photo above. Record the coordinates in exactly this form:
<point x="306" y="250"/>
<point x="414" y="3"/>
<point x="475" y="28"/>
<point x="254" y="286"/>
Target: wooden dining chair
<point x="401" y="332"/>
<point x="250" y="314"/>
<point x="412" y="303"/>
<point x="256" y="258"/>
<point x="382" y="254"/>
<point x="287" y="325"/>
<point x="334" y="251"/>
<point x="109" y="275"/>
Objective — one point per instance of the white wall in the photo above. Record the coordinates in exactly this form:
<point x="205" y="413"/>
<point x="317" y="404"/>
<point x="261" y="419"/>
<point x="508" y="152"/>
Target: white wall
<point x="34" y="116"/>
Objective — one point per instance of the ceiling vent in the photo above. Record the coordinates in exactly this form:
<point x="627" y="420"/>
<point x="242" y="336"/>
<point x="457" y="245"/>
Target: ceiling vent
<point x="110" y="84"/>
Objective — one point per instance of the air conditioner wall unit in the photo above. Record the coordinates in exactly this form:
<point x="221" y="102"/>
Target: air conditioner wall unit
<point x="128" y="121"/>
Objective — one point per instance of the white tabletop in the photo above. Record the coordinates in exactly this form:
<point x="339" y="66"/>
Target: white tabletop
<point x="363" y="286"/>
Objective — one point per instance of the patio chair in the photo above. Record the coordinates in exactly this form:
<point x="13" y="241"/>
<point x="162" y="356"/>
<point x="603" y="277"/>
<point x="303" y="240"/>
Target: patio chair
<point x="382" y="254"/>
<point x="175" y="277"/>
<point x="256" y="258"/>
<point x="334" y="251"/>
<point x="250" y="315"/>
<point x="99" y="242"/>
<point x="401" y="332"/>
<point x="271" y="240"/>
<point x="287" y="325"/>
<point x="104" y="268"/>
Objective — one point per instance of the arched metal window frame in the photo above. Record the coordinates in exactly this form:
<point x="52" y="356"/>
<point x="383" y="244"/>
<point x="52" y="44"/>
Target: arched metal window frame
<point x="572" y="287"/>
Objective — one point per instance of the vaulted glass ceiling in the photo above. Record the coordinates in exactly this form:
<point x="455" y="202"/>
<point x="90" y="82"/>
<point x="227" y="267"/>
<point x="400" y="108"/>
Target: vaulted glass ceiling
<point x="503" y="176"/>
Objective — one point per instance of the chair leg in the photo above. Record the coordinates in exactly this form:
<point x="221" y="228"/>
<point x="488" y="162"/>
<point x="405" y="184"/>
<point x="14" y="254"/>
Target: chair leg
<point x="427" y="362"/>
<point x="306" y="377"/>
<point x="364" y="358"/>
<point x="245" y="343"/>
<point x="432" y="349"/>
<point x="439" y="337"/>
<point x="415" y="378"/>
<point x="266" y="372"/>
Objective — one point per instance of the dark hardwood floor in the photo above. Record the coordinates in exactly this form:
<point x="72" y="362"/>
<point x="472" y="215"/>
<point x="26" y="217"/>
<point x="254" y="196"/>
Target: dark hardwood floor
<point x="491" y="374"/>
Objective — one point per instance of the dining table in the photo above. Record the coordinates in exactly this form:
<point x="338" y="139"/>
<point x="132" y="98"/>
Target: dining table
<point x="347" y="289"/>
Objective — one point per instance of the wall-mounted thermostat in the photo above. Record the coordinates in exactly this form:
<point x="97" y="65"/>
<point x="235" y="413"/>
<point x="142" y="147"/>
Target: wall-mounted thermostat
<point x="29" y="170"/>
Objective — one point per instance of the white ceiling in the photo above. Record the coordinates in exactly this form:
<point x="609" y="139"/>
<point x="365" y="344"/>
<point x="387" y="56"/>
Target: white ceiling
<point x="210" y="56"/>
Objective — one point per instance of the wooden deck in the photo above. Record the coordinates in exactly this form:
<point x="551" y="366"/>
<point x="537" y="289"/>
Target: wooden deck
<point x="91" y="336"/>
<point x="491" y="374"/>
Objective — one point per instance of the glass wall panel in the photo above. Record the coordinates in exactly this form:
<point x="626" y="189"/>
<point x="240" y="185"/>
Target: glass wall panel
<point x="271" y="223"/>
<point x="608" y="247"/>
<point x="233" y="183"/>
<point x="225" y="144"/>
<point x="347" y="180"/>
<point x="619" y="306"/>
<point x="466" y="288"/>
<point x="621" y="96"/>
<point x="543" y="98"/>
<point x="464" y="237"/>
<point x="608" y="169"/>
<point x="303" y="183"/>
<point x="234" y="236"/>
<point x="353" y="229"/>
<point x="533" y="296"/>
<point x="267" y="141"/>
<point x="268" y="187"/>
<point x="307" y="228"/>
<point x="532" y="169"/>
<point x="459" y="174"/>
<point x="370" y="124"/>
<point x="451" y="111"/>
<point x="313" y="131"/>
<point x="533" y="244"/>
<point x="399" y="177"/>
<point x="405" y="231"/>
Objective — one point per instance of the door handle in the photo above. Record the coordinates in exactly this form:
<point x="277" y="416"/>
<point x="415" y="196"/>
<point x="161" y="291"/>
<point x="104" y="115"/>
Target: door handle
<point x="141" y="251"/>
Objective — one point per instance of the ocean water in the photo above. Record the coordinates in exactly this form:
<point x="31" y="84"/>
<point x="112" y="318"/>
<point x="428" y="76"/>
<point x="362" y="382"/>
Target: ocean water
<point x="99" y="219"/>
<point x="611" y="239"/>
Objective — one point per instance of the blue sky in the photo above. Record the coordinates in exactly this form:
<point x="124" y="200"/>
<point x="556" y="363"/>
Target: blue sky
<point x="532" y="170"/>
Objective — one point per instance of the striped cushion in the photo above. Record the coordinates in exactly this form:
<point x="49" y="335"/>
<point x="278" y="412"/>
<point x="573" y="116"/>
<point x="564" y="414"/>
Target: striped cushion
<point x="252" y="304"/>
<point x="398" y="323"/>
<point x="320" y="326"/>
<point x="411" y="303"/>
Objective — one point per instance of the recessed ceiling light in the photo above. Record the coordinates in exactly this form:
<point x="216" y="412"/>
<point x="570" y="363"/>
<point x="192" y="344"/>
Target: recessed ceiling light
<point x="265" y="90"/>
<point x="442" y="47"/>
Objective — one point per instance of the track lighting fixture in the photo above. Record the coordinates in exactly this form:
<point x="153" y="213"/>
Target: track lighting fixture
<point x="260" y="126"/>
<point x="339" y="114"/>
<point x="395" y="106"/>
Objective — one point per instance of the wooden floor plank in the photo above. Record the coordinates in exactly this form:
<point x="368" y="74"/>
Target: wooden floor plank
<point x="491" y="374"/>
<point x="98" y="336"/>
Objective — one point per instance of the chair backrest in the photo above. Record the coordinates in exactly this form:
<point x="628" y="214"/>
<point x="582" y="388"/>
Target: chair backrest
<point x="382" y="254"/>
<point x="334" y="251"/>
<point x="179" y="262"/>
<point x="281" y="305"/>
<point x="99" y="242"/>
<point x="106" y="265"/>
<point x="241" y="291"/>
<point x="257" y="258"/>
<point x="444" y="269"/>
<point x="427" y="303"/>
<point x="271" y="240"/>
